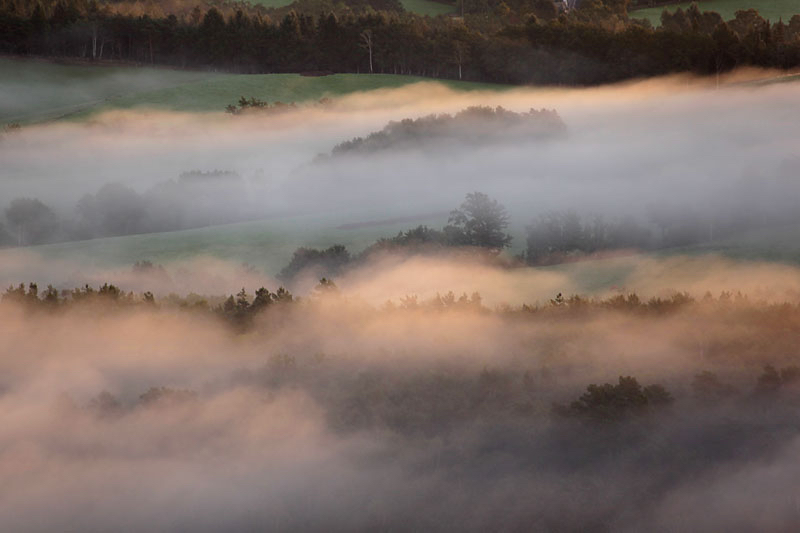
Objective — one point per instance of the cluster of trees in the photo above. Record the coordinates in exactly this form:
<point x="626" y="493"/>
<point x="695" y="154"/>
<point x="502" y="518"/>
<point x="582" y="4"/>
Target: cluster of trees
<point x="474" y="125"/>
<point x="503" y="41"/>
<point x="480" y="222"/>
<point x="610" y="402"/>
<point x="240" y="311"/>
<point x="107" y="406"/>
<point x="252" y="104"/>
<point x="29" y="222"/>
<point x="330" y="262"/>
<point x="195" y="199"/>
<point x="555" y="237"/>
<point x="52" y="298"/>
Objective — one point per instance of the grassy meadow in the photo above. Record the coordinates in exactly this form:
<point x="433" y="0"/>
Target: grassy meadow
<point x="427" y="7"/>
<point x="420" y="7"/>
<point x="265" y="244"/>
<point x="769" y="9"/>
<point x="37" y="91"/>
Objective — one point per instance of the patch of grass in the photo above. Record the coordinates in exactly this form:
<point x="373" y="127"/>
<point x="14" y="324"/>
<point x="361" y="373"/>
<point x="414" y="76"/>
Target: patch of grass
<point x="769" y="9"/>
<point x="420" y="7"/>
<point x="215" y="94"/>
<point x="777" y="244"/>
<point x="35" y="91"/>
<point x="427" y="7"/>
<point x="266" y="244"/>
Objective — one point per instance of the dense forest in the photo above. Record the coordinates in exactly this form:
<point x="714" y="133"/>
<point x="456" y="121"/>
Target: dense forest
<point x="516" y="42"/>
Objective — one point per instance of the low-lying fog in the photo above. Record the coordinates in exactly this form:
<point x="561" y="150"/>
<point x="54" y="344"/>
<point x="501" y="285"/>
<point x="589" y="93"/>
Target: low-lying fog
<point x="332" y="415"/>
<point x="675" y="143"/>
<point x="379" y="406"/>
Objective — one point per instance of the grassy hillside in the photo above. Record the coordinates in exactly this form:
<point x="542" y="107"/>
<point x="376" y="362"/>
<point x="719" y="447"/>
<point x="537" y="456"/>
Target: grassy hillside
<point x="266" y="244"/>
<point x="213" y="94"/>
<point x="770" y="9"/>
<point x="770" y="244"/>
<point x="32" y="91"/>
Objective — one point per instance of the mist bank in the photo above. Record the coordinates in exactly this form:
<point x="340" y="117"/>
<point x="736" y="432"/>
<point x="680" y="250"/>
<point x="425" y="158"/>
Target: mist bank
<point x="670" y="149"/>
<point x="392" y="276"/>
<point x="331" y="414"/>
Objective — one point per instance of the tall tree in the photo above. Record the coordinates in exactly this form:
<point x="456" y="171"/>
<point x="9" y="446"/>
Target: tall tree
<point x="480" y="221"/>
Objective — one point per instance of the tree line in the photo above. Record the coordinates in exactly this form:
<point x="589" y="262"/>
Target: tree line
<point x="502" y="41"/>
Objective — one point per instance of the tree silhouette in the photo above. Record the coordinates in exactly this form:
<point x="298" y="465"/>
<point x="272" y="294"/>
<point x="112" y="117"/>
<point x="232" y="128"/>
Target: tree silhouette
<point x="480" y="221"/>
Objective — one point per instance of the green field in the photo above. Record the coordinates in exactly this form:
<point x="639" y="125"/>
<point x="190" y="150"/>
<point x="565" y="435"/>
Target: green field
<point x="769" y="9"/>
<point x="420" y="7"/>
<point x="426" y="7"/>
<point x="265" y="244"/>
<point x="34" y="91"/>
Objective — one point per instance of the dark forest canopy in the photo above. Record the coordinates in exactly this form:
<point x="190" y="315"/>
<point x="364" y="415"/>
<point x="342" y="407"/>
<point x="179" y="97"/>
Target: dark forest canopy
<point x="506" y="43"/>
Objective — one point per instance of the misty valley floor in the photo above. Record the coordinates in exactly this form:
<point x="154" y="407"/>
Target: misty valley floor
<point x="329" y="415"/>
<point x="284" y="318"/>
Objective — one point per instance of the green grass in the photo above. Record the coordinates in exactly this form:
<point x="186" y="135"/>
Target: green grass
<point x="426" y="7"/>
<point x="770" y="9"/>
<point x="420" y="7"/>
<point x="779" y="244"/>
<point x="214" y="94"/>
<point x="34" y="91"/>
<point x="265" y="244"/>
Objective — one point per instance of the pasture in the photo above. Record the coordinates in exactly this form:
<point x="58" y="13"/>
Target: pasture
<point x="769" y="9"/>
<point x="420" y="7"/>
<point x="265" y="244"/>
<point x="37" y="91"/>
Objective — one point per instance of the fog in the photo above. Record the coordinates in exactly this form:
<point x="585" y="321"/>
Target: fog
<point x="334" y="414"/>
<point x="425" y="391"/>
<point x="674" y="143"/>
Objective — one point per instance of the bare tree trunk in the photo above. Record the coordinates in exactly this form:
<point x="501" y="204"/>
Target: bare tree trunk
<point x="94" y="41"/>
<point x="366" y="42"/>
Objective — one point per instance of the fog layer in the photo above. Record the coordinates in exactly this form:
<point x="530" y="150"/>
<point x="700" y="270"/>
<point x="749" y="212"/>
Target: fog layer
<point x="676" y="143"/>
<point x="333" y="415"/>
